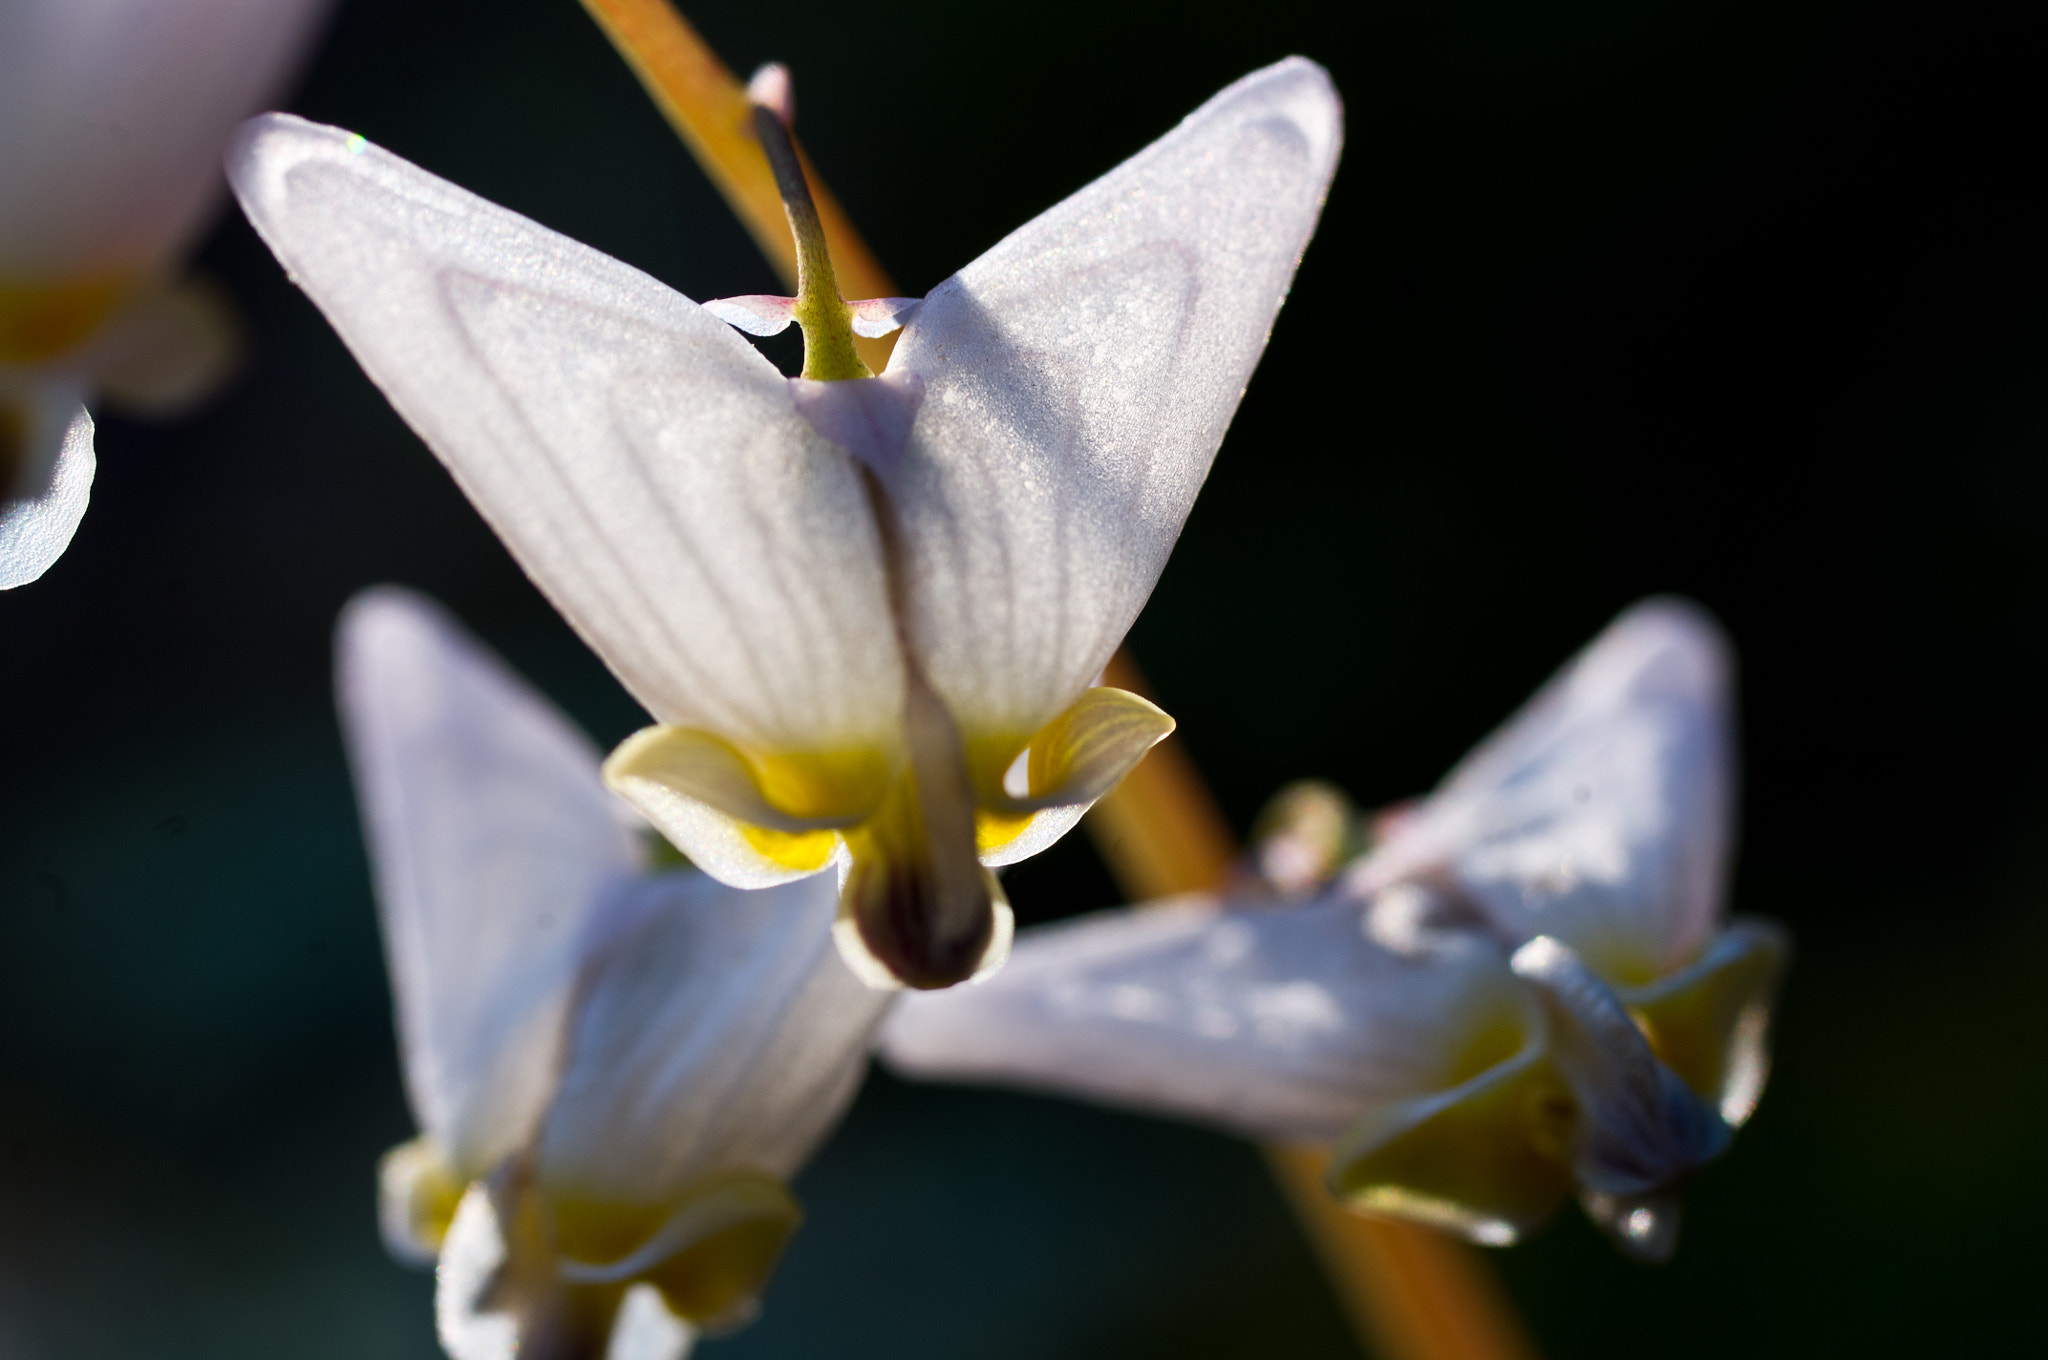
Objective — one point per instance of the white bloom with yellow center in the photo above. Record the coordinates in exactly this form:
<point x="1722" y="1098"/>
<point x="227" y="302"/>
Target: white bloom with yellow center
<point x="113" y="114"/>
<point x="1526" y="988"/>
<point x="867" y="612"/>
<point x="614" y="1071"/>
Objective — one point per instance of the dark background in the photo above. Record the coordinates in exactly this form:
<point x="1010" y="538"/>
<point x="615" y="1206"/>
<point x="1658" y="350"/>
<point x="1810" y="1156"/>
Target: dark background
<point x="1748" y="302"/>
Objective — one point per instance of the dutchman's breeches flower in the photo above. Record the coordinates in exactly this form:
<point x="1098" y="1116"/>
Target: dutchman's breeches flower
<point x="614" y="1071"/>
<point x="113" y="114"/>
<point x="867" y="612"/>
<point x="1526" y="988"/>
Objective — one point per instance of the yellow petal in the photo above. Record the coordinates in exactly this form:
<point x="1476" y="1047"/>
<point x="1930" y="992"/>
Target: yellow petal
<point x="1486" y="1158"/>
<point x="710" y="1251"/>
<point x="1072" y="761"/>
<point x="746" y="818"/>
<point x="417" y="1191"/>
<point x="40" y="321"/>
<point x="1710" y="1022"/>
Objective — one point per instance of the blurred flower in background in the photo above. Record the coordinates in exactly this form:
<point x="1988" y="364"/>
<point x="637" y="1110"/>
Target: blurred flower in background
<point x="880" y="664"/>
<point x="615" y="1071"/>
<point x="113" y="114"/>
<point x="1526" y="987"/>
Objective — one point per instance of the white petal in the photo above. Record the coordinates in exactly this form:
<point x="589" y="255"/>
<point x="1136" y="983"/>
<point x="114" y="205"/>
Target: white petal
<point x="643" y="463"/>
<point x="41" y="512"/>
<point x="113" y="114"/>
<point x="492" y="839"/>
<point x="646" y="1330"/>
<point x="755" y="313"/>
<point x="871" y="418"/>
<point x="1600" y="814"/>
<point x="1079" y="378"/>
<point x="877" y="317"/>
<point x="472" y="1260"/>
<point x="724" y="1034"/>
<point x="1279" y="1023"/>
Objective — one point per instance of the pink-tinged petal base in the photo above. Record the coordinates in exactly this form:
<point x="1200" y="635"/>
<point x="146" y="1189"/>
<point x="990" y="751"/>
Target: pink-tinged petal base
<point x="868" y="417"/>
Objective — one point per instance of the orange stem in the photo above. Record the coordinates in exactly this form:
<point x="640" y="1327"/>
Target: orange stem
<point x="1413" y="1293"/>
<point x="705" y="103"/>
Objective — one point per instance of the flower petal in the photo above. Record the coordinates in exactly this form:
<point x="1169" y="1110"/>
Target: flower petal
<point x="724" y="1034"/>
<point x="755" y="313"/>
<point x="877" y="317"/>
<point x="1079" y="378"/>
<point x="1088" y="749"/>
<point x="644" y="1328"/>
<point x="169" y="349"/>
<point x="1639" y="1128"/>
<point x="1473" y="1160"/>
<point x="49" y="437"/>
<point x="1600" y="814"/>
<point x="643" y="463"/>
<point x="113" y="116"/>
<point x="492" y="840"/>
<point x="702" y="794"/>
<point x="417" y="1196"/>
<point x="1710" y="1022"/>
<point x="868" y="417"/>
<point x="1282" y="1024"/>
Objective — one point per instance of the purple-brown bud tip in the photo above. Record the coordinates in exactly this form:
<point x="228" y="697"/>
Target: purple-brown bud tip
<point x="771" y="89"/>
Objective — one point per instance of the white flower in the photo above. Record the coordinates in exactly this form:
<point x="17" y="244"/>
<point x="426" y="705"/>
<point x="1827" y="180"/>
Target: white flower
<point x="113" y="114"/>
<point x="614" y="1071"/>
<point x="1527" y="987"/>
<point x="866" y="612"/>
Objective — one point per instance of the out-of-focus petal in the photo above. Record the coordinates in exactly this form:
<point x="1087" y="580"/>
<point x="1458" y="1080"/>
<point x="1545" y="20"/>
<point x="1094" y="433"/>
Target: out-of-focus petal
<point x="167" y="351"/>
<point x="1710" y="1022"/>
<point x="1079" y="378"/>
<point x="1639" y="1128"/>
<point x="492" y="839"/>
<point x="721" y="1034"/>
<point x="47" y="439"/>
<point x="1280" y="1024"/>
<point x="417" y="1196"/>
<point x="643" y="462"/>
<point x="1601" y="813"/>
<point x="113" y="114"/>
<point x="646" y="1330"/>
<point x="1487" y="1158"/>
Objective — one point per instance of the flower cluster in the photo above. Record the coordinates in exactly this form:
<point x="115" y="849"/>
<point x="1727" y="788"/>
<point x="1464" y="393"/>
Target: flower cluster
<point x="869" y="615"/>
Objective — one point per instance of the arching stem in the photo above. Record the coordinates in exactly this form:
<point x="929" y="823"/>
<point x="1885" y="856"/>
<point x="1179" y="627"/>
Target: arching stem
<point x="829" y="354"/>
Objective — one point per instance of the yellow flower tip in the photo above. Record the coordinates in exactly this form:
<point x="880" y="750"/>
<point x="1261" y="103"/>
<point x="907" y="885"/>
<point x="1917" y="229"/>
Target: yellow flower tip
<point x="417" y="1194"/>
<point x="791" y="792"/>
<point x="40" y="321"/>
<point x="1485" y="1159"/>
<point x="710" y="1251"/>
<point x="1075" y="759"/>
<point x="1709" y="1022"/>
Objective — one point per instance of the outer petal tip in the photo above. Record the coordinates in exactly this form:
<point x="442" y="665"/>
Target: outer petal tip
<point x="754" y="313"/>
<point x="57" y="462"/>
